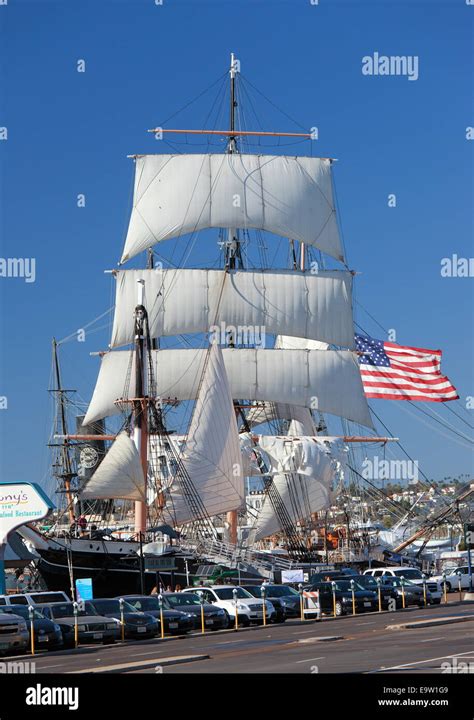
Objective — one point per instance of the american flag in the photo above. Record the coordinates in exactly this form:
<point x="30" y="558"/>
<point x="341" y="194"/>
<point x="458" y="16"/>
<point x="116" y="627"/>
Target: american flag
<point x="395" y="372"/>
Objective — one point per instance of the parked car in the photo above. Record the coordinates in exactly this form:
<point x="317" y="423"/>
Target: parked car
<point x="214" y="618"/>
<point x="176" y="622"/>
<point x="92" y="627"/>
<point x="387" y="591"/>
<point x="285" y="599"/>
<point x="414" y="594"/>
<point x="34" y="598"/>
<point x="414" y="575"/>
<point x="137" y="624"/>
<point x="452" y="578"/>
<point x="249" y="608"/>
<point x="48" y="635"/>
<point x="365" y="600"/>
<point x="14" y="635"/>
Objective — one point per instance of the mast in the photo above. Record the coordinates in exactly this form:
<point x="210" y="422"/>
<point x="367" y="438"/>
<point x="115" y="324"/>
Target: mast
<point x="67" y="473"/>
<point x="232" y="248"/>
<point x="233" y="245"/>
<point x="140" y="433"/>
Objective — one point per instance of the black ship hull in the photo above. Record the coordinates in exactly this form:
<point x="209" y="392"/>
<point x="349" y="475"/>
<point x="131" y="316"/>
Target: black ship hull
<point x="110" y="576"/>
<point x="121" y="575"/>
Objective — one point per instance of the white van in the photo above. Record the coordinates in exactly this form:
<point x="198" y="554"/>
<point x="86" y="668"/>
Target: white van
<point x="34" y="598"/>
<point x="413" y="575"/>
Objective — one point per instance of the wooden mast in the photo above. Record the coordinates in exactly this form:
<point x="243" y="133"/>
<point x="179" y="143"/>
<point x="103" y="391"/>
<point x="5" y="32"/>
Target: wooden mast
<point x="233" y="249"/>
<point x="67" y="473"/>
<point x="140" y="432"/>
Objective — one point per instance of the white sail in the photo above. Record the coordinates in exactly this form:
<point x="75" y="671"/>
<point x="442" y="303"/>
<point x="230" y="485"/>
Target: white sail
<point x="316" y="306"/>
<point x="290" y="342"/>
<point x="268" y="412"/>
<point x="302" y="493"/>
<point x="212" y="457"/>
<point x="119" y="475"/>
<point x="179" y="194"/>
<point x="326" y="380"/>
<point x="284" y="453"/>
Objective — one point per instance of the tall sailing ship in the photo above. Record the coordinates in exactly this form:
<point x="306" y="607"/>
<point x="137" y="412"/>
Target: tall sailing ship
<point x="269" y="351"/>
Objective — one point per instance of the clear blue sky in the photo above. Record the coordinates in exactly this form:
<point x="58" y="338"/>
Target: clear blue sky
<point x="70" y="132"/>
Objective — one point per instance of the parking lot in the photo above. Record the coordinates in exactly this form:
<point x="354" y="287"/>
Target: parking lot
<point x="361" y="643"/>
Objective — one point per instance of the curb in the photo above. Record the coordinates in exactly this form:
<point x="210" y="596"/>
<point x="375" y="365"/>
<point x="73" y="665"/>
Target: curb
<point x="323" y="638"/>
<point x="431" y="623"/>
<point x="140" y="665"/>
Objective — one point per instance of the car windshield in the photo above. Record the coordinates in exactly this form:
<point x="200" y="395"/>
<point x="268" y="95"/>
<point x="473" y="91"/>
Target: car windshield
<point x="366" y="580"/>
<point x="397" y="582"/>
<point x="144" y="604"/>
<point x="228" y="593"/>
<point x="180" y="599"/>
<point x="254" y="590"/>
<point x="280" y="591"/>
<point x="104" y="607"/>
<point x="47" y="597"/>
<point x="410" y="573"/>
<point x="67" y="610"/>
<point x="23" y="612"/>
<point x="345" y="585"/>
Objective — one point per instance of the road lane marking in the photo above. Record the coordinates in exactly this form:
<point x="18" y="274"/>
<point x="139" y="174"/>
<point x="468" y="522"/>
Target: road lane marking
<point x="372" y="622"/>
<point x="432" y="639"/>
<point x="420" y="662"/>
<point x="310" y="660"/>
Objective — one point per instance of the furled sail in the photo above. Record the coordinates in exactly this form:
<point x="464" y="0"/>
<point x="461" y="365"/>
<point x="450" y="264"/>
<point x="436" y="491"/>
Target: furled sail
<point x="119" y="475"/>
<point x="211" y="457"/>
<point x="326" y="380"/>
<point x="282" y="453"/>
<point x="303" y="492"/>
<point x="182" y="301"/>
<point x="179" y="194"/>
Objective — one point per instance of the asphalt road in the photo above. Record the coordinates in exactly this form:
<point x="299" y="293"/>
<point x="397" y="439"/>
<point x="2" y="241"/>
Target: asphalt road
<point x="366" y="646"/>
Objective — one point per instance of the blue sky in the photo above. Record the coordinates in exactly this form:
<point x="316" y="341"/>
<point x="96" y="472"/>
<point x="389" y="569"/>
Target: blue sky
<point x="70" y="133"/>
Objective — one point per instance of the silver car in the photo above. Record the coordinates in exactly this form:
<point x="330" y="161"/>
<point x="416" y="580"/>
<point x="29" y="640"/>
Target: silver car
<point x="14" y="635"/>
